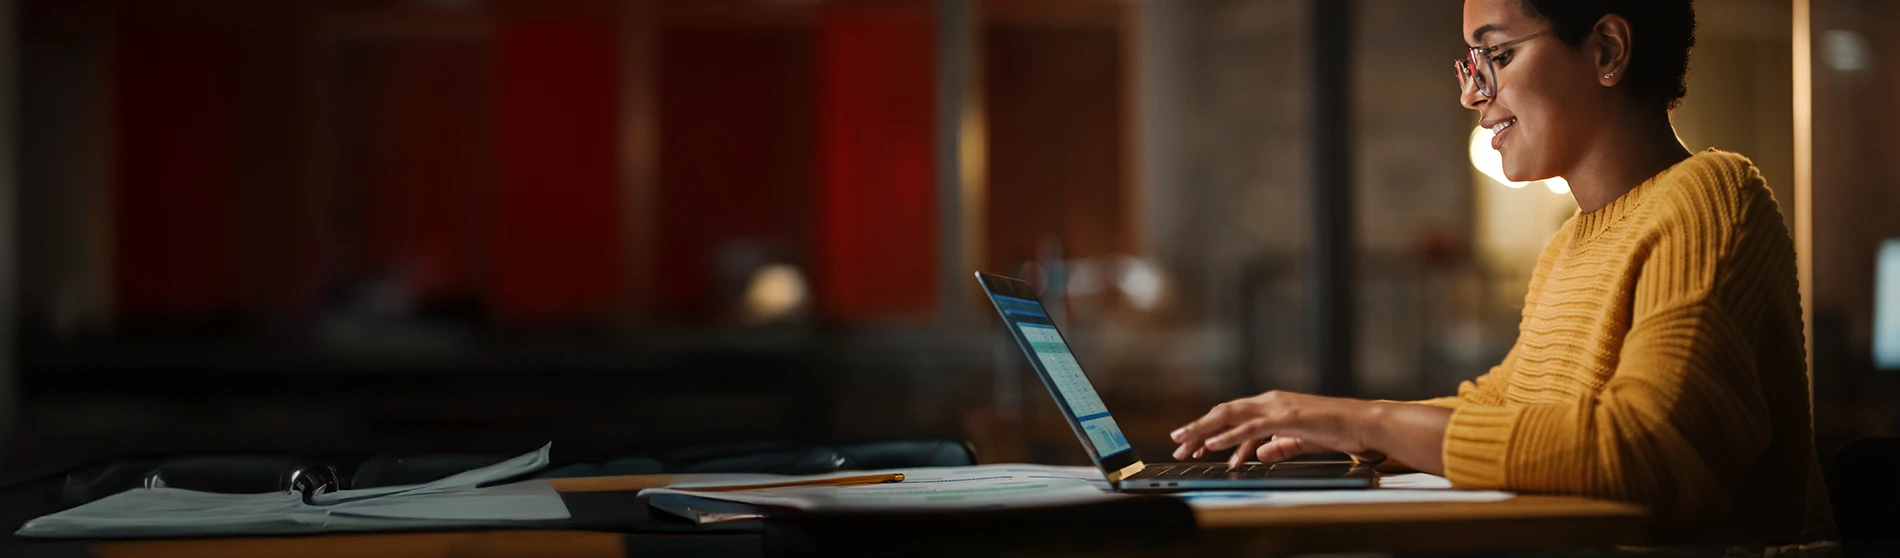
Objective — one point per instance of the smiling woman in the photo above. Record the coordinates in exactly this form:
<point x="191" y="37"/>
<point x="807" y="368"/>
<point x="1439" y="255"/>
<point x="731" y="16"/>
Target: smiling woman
<point x="1660" y="355"/>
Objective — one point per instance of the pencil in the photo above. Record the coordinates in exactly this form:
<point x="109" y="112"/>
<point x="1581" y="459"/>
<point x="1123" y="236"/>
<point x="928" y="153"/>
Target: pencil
<point x="837" y="481"/>
<point x="641" y="482"/>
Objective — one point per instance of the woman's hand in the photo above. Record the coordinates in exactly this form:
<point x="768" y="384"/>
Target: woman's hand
<point x="1280" y="448"/>
<point x="1275" y="426"/>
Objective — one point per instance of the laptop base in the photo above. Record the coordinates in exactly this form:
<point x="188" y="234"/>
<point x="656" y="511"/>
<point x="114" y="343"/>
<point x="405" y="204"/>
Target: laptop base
<point x="1302" y="475"/>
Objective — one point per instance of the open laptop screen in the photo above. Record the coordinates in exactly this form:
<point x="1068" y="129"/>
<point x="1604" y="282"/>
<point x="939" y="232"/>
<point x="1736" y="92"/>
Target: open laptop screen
<point x="1050" y="354"/>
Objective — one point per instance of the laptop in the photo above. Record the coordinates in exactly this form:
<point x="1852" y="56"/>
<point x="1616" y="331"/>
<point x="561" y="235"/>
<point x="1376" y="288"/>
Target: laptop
<point x="1030" y="326"/>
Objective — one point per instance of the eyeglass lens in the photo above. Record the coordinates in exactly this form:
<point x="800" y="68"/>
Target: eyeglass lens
<point x="1473" y="71"/>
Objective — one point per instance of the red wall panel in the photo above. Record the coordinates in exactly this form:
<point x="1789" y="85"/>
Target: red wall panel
<point x="172" y="176"/>
<point x="877" y="108"/>
<point x="558" y="235"/>
<point x="736" y="156"/>
<point x="1054" y="103"/>
<point x="426" y="166"/>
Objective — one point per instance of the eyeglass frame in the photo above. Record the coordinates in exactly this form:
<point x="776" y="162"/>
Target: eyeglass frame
<point x="1467" y="67"/>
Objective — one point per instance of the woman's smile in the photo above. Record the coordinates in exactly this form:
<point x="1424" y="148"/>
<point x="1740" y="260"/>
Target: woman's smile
<point x="1499" y="127"/>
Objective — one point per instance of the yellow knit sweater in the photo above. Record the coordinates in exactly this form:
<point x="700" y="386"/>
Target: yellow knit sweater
<point x="1659" y="362"/>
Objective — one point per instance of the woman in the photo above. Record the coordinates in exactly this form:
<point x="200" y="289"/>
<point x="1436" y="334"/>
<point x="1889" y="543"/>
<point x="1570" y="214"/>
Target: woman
<point x="1659" y="359"/>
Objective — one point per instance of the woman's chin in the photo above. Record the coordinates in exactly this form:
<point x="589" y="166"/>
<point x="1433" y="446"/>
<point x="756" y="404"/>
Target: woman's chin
<point x="1525" y="176"/>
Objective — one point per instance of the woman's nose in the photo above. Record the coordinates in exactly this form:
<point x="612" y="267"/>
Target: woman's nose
<point x="1470" y="98"/>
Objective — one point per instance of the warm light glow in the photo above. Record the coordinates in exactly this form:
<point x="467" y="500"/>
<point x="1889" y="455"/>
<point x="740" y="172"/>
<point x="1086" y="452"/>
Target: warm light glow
<point x="776" y="291"/>
<point x="1488" y="160"/>
<point x="1491" y="163"/>
<point x="1804" y="172"/>
<point x="1557" y="185"/>
<point x="1140" y="283"/>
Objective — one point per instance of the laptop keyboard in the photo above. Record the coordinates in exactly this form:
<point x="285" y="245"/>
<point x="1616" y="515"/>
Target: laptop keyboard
<point x="1209" y="471"/>
<point x="1201" y="471"/>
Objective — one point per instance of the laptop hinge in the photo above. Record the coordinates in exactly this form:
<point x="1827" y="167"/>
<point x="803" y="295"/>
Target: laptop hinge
<point x="1129" y="471"/>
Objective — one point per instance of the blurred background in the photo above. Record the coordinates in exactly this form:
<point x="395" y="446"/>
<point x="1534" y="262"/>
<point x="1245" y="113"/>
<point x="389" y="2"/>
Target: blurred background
<point x="478" y="225"/>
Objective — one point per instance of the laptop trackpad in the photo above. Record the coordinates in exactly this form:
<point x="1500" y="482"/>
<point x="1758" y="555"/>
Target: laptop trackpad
<point x="1310" y="470"/>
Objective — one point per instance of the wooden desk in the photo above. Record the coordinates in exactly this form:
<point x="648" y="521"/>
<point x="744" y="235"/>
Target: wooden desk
<point x="479" y="544"/>
<point x="1522" y="522"/>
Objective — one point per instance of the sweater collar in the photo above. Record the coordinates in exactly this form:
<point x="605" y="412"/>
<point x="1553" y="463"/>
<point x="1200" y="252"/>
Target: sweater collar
<point x="1594" y="223"/>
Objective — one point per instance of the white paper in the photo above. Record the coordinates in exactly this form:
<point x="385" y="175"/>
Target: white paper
<point x="1424" y="481"/>
<point x="522" y="501"/>
<point x="1021" y="485"/>
<point x="933" y="488"/>
<point x="162" y="507"/>
<point x="511" y="468"/>
<point x="1016" y="471"/>
<point x="951" y="494"/>
<point x="454" y="501"/>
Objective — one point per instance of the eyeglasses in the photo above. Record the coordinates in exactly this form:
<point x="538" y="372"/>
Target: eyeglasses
<point x="1478" y="67"/>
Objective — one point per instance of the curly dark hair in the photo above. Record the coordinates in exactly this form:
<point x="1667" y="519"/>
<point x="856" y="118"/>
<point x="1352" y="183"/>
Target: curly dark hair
<point x="1663" y="34"/>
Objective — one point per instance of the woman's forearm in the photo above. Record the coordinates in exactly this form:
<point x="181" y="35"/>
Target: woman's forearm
<point x="1412" y="433"/>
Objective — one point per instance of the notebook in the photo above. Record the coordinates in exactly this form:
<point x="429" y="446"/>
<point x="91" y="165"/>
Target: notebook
<point x="458" y="500"/>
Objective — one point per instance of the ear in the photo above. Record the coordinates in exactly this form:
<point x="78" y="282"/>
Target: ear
<point x="1612" y="49"/>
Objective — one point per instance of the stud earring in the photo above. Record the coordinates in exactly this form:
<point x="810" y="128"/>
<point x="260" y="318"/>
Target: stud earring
<point x="1609" y="75"/>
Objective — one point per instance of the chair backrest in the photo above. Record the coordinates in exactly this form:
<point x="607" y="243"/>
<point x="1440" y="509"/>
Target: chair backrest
<point x="1863" y="483"/>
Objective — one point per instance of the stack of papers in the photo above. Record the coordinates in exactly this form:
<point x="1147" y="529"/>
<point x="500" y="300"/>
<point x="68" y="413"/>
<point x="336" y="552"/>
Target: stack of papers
<point x="454" y="501"/>
<point x="923" y="489"/>
<point x="458" y="501"/>
<point x="1019" y="485"/>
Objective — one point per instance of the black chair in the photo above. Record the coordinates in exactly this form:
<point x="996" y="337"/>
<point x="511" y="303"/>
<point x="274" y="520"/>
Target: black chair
<point x="808" y="459"/>
<point x="1863" y="483"/>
